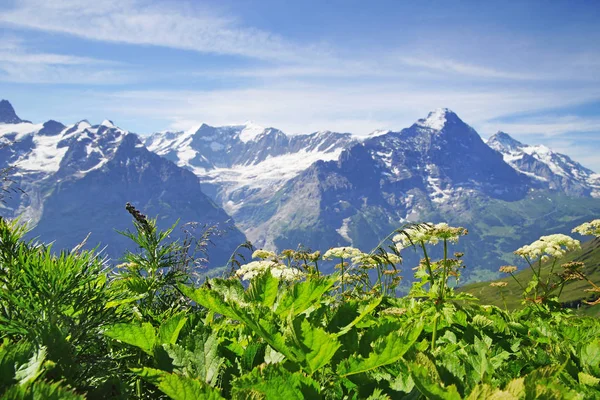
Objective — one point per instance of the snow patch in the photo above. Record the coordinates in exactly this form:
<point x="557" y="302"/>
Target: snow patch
<point x="435" y="120"/>
<point x="250" y="132"/>
<point x="344" y="230"/>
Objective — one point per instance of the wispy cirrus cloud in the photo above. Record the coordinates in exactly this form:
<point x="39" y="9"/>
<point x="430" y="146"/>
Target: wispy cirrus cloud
<point x="175" y="25"/>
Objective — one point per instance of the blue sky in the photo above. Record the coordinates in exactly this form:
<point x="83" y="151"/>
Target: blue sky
<point x="531" y="69"/>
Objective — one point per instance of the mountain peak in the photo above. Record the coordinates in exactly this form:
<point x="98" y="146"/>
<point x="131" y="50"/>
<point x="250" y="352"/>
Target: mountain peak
<point x="251" y="131"/>
<point x="503" y="141"/>
<point x="7" y="113"/>
<point x="108" y="123"/>
<point x="437" y="119"/>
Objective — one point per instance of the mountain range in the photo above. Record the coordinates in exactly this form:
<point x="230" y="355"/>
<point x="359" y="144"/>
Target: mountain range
<point x="77" y="179"/>
<point x="321" y="189"/>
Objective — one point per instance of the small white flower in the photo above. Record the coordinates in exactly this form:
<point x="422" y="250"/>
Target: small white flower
<point x="548" y="246"/>
<point x="342" y="252"/>
<point x="252" y="269"/>
<point x="591" y="228"/>
<point x="264" y="254"/>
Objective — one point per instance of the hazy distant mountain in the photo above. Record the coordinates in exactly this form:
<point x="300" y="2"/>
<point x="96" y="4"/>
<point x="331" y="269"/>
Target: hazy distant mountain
<point x="320" y="190"/>
<point x="77" y="179"/>
<point x="356" y="192"/>
<point x="242" y="167"/>
<point x="554" y="170"/>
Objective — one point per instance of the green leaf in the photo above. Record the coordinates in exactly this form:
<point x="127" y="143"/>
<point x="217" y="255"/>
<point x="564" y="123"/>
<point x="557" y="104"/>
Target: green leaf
<point x="303" y="295"/>
<point x="33" y="368"/>
<point x="428" y="382"/>
<point x="587" y="379"/>
<point x="276" y="383"/>
<point x="263" y="289"/>
<point x="320" y="345"/>
<point x="386" y="350"/>
<point x="178" y="387"/>
<point x="486" y="392"/>
<point x="41" y="391"/>
<point x="169" y="329"/>
<point x="273" y="356"/>
<point x="200" y="357"/>
<point x="378" y="395"/>
<point x="142" y="336"/>
<point x="590" y="356"/>
<point x="363" y="311"/>
<point x="120" y="302"/>
<point x="209" y="299"/>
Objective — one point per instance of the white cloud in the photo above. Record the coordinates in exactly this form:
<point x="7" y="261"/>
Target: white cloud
<point x="471" y="70"/>
<point x="171" y="25"/>
<point x="548" y="126"/>
<point x="360" y="108"/>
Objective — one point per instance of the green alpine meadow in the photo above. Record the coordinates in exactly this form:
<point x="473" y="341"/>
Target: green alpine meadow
<point x="279" y="326"/>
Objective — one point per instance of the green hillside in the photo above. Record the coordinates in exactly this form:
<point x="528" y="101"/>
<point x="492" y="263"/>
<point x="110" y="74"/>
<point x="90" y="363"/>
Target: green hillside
<point x="572" y="294"/>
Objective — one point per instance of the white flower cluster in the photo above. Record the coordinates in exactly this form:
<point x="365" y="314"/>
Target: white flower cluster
<point x="342" y="252"/>
<point x="548" y="246"/>
<point x="264" y="254"/>
<point x="370" y="260"/>
<point x="248" y="271"/>
<point x="428" y="234"/>
<point x="591" y="228"/>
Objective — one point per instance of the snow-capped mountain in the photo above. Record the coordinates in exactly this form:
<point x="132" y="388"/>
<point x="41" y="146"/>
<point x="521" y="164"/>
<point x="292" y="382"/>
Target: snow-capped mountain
<point x="319" y="189"/>
<point x="557" y="171"/>
<point x="243" y="166"/>
<point x="438" y="169"/>
<point x="8" y="114"/>
<point x="78" y="178"/>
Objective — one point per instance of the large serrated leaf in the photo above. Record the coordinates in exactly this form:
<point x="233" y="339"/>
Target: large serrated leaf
<point x="303" y="295"/>
<point x="385" y="351"/>
<point x="199" y="359"/>
<point x="429" y="385"/>
<point x="41" y="391"/>
<point x="263" y="289"/>
<point x="142" y="336"/>
<point x="169" y="329"/>
<point x="320" y="345"/>
<point x="363" y="311"/>
<point x="178" y="387"/>
<point x="274" y="383"/>
<point x="209" y="299"/>
<point x="32" y="369"/>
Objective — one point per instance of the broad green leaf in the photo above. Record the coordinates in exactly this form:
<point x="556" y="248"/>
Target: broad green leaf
<point x="142" y="336"/>
<point x="587" y="379"/>
<point x="29" y="372"/>
<point x="404" y="381"/>
<point x="263" y="289"/>
<point x="385" y="351"/>
<point x="120" y="302"/>
<point x="430" y="386"/>
<point x="486" y="392"/>
<point x="209" y="299"/>
<point x="41" y="391"/>
<point x="11" y="356"/>
<point x="378" y="395"/>
<point x="273" y="356"/>
<point x="178" y="387"/>
<point x="363" y="311"/>
<point x="303" y="295"/>
<point x="274" y="383"/>
<point x="590" y="356"/>
<point x="199" y="358"/>
<point x="516" y="387"/>
<point x="232" y="290"/>
<point x="169" y="329"/>
<point x="320" y="345"/>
